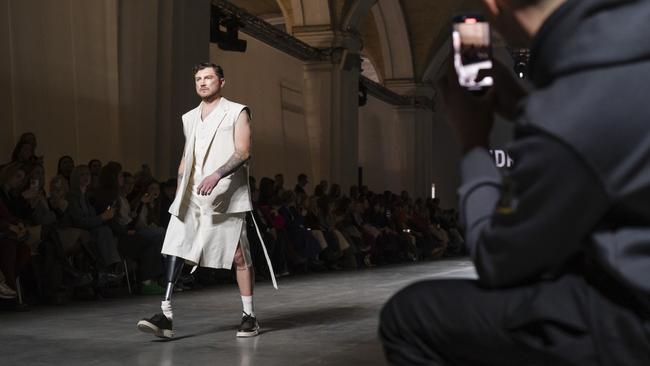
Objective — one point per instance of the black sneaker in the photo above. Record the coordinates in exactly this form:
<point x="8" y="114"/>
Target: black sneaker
<point x="157" y="325"/>
<point x="249" y="326"/>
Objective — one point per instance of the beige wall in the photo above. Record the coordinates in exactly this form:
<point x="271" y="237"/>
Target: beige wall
<point x="270" y="82"/>
<point x="105" y="79"/>
<point x="380" y="147"/>
<point x="59" y="77"/>
<point x="109" y="79"/>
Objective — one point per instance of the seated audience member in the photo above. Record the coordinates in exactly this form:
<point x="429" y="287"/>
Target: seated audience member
<point x="64" y="167"/>
<point x="83" y="216"/>
<point x="145" y="250"/>
<point x="387" y="243"/>
<point x="147" y="210"/>
<point x="15" y="254"/>
<point x="268" y="204"/>
<point x="278" y="186"/>
<point x="302" y="247"/>
<point x="560" y="241"/>
<point x="302" y="182"/>
<point x="76" y="243"/>
<point x="168" y="192"/>
<point x="95" y="166"/>
<point x="331" y="252"/>
<point x="30" y="138"/>
<point x="22" y="195"/>
<point x="23" y="153"/>
<point x="401" y="220"/>
<point x="334" y="193"/>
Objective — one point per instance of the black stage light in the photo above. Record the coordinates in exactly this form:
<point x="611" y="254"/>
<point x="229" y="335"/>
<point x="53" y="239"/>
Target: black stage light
<point x="228" y="40"/>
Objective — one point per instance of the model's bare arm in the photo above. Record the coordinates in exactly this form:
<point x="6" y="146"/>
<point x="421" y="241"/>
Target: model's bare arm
<point x="242" y="146"/>
<point x="236" y="160"/>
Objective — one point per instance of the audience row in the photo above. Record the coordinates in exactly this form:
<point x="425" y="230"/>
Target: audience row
<point x="96" y="227"/>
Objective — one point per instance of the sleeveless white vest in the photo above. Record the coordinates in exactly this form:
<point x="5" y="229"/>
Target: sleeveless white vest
<point x="208" y="146"/>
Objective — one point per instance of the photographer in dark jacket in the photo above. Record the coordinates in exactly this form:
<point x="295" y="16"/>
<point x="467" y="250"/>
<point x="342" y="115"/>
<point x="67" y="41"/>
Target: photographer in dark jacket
<point x="564" y="263"/>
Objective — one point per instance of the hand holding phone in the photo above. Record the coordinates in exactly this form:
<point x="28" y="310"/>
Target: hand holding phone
<point x="472" y="52"/>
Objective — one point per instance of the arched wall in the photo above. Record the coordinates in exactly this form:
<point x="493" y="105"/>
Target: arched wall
<point x="395" y="44"/>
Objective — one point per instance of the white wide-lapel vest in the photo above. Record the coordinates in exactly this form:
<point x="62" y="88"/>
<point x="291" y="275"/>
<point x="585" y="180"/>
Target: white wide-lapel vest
<point x="212" y="123"/>
<point x="217" y="141"/>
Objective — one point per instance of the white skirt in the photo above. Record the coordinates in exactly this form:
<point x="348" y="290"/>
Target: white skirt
<point x="206" y="240"/>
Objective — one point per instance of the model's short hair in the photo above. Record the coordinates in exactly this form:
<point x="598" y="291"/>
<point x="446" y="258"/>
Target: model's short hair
<point x="204" y="65"/>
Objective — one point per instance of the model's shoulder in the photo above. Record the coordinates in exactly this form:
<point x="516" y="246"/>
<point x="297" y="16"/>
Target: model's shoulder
<point x="189" y="115"/>
<point x="233" y="105"/>
<point x="237" y="108"/>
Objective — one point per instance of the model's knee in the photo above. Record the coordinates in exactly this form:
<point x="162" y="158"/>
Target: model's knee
<point x="238" y="260"/>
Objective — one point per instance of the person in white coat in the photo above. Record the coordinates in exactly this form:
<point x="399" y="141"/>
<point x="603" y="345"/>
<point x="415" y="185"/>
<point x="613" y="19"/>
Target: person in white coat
<point x="207" y="225"/>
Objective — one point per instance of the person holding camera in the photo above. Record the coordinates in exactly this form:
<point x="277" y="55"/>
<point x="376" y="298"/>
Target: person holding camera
<point x="563" y="264"/>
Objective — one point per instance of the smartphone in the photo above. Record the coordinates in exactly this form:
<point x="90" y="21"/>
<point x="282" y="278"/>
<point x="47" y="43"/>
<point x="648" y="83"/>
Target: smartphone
<point x="472" y="52"/>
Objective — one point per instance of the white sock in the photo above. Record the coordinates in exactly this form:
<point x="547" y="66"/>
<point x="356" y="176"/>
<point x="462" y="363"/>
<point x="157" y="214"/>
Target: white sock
<point x="247" y="301"/>
<point x="166" y="307"/>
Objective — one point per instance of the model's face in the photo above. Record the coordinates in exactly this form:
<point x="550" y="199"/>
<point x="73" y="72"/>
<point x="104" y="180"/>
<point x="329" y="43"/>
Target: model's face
<point x="208" y="83"/>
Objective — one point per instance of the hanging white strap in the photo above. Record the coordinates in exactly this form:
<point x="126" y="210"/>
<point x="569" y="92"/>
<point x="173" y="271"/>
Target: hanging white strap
<point x="266" y="254"/>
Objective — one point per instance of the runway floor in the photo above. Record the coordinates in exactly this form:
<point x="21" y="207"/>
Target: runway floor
<point x="317" y="319"/>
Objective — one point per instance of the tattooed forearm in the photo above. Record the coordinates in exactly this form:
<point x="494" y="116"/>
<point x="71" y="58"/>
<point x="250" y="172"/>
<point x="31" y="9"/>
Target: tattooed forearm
<point x="237" y="159"/>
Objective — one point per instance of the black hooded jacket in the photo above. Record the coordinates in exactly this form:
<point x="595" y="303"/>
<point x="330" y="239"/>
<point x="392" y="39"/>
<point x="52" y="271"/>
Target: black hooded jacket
<point x="581" y="181"/>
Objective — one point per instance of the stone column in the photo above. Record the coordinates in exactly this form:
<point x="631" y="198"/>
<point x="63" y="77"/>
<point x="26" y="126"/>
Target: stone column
<point x="332" y="112"/>
<point x="417" y="126"/>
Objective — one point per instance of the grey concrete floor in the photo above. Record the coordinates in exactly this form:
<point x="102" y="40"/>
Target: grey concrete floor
<point x="318" y="319"/>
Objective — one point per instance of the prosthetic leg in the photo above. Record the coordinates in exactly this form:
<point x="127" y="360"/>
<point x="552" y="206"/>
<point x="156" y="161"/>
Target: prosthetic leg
<point x="174" y="269"/>
<point x="160" y="325"/>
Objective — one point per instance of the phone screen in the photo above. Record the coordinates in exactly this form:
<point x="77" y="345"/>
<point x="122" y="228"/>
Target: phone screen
<point x="472" y="51"/>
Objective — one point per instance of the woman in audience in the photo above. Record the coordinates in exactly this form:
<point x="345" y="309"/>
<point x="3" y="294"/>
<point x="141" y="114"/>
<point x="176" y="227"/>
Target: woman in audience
<point x="75" y="241"/>
<point x="23" y="153"/>
<point x="335" y="239"/>
<point x="95" y="167"/>
<point x="147" y="211"/>
<point x="14" y="253"/>
<point x="64" y="168"/>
